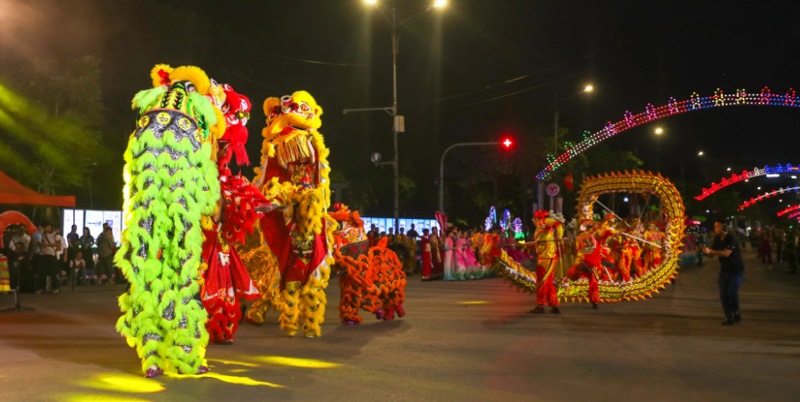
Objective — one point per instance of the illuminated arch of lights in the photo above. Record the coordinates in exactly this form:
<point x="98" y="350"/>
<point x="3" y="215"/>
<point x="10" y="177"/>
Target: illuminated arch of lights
<point x="735" y="178"/>
<point x="673" y="107"/>
<point x="766" y="195"/>
<point x="788" y="209"/>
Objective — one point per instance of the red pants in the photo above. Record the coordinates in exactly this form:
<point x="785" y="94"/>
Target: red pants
<point x="592" y="272"/>
<point x="545" y="289"/>
<point x="594" y="291"/>
<point x="624" y="266"/>
<point x="426" y="265"/>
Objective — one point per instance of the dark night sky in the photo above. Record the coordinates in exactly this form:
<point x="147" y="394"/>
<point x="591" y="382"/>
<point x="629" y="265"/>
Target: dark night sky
<point x="454" y="70"/>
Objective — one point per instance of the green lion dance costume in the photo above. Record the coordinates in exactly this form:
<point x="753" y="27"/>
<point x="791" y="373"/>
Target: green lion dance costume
<point x="170" y="185"/>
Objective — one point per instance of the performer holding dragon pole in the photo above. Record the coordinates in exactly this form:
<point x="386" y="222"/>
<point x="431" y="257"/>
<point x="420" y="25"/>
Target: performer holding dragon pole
<point x="587" y="263"/>
<point x="548" y="232"/>
<point x="170" y="184"/>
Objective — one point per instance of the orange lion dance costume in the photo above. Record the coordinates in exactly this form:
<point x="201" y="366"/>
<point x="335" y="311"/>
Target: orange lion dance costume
<point x="371" y="278"/>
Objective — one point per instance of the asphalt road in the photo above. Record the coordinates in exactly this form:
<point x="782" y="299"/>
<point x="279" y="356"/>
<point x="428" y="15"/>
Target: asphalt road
<point x="460" y="341"/>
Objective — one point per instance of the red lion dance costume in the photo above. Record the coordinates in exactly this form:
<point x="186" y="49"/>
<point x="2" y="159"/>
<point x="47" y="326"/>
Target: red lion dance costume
<point x="294" y="176"/>
<point x="371" y="278"/>
<point x="225" y="278"/>
<point x="547" y="236"/>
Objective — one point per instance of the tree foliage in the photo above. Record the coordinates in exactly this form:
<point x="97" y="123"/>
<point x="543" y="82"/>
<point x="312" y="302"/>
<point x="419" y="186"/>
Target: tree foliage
<point x="51" y="116"/>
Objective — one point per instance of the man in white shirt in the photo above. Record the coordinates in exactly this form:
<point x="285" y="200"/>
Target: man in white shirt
<point x="47" y="264"/>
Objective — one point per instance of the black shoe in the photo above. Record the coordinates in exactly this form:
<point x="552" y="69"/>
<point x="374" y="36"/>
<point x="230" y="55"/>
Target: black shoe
<point x="538" y="310"/>
<point x="594" y="306"/>
<point x="555" y="310"/>
<point x="727" y="321"/>
<point x="737" y="316"/>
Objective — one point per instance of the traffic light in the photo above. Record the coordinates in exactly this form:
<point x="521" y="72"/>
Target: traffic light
<point x="507" y="143"/>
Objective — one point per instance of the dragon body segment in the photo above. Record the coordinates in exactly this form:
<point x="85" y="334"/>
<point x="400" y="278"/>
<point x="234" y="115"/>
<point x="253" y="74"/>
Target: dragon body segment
<point x="640" y="287"/>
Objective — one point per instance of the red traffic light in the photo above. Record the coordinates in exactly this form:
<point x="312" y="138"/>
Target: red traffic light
<point x="507" y="143"/>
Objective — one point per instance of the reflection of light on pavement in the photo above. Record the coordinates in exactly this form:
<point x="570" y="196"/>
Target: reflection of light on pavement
<point x="473" y="303"/>
<point x="101" y="397"/>
<point x="233" y="362"/>
<point x="229" y="379"/>
<point x="297" y="362"/>
<point x="123" y="383"/>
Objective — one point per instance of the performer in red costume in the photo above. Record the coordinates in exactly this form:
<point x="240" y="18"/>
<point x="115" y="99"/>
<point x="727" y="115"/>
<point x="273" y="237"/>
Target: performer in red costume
<point x="425" y="245"/>
<point x="294" y="176"/>
<point x="588" y="260"/>
<point x="603" y="234"/>
<point x="631" y="251"/>
<point x="652" y="248"/>
<point x="546" y="237"/>
<point x="225" y="278"/>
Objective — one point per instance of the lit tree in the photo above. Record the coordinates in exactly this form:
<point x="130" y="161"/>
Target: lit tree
<point x="51" y="114"/>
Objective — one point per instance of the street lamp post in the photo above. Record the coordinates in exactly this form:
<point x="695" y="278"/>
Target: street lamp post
<point x="587" y="89"/>
<point x="398" y="122"/>
<point x="441" y="166"/>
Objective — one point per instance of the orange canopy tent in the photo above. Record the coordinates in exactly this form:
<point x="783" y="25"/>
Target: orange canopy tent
<point x="12" y="192"/>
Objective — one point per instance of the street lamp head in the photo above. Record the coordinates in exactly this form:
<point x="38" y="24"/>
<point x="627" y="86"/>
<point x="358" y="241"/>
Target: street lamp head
<point x="588" y="88"/>
<point x="439" y="3"/>
<point x="371" y="2"/>
<point x="375" y="157"/>
<point x="659" y="131"/>
<point x="700" y="153"/>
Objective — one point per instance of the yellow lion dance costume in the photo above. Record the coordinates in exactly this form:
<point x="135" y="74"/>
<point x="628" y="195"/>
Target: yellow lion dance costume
<point x="298" y="234"/>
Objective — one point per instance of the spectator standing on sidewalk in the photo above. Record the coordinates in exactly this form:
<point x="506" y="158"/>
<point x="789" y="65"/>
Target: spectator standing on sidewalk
<point x="765" y="246"/>
<point x="105" y="262"/>
<point x="46" y="262"/>
<point x="731" y="273"/>
<point x="778" y="235"/>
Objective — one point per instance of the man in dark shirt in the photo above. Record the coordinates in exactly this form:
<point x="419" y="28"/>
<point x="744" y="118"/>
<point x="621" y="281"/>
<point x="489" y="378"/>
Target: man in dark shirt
<point x="73" y="243"/>
<point x="412" y="233"/>
<point x="731" y="273"/>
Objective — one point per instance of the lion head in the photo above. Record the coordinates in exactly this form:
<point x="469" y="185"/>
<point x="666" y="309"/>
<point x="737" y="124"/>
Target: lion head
<point x="298" y="110"/>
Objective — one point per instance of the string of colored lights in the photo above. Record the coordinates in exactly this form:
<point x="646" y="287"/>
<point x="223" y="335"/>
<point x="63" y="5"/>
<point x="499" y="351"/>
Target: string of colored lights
<point x="735" y="178"/>
<point x="794" y="215"/>
<point x="766" y="195"/>
<point x="788" y="209"/>
<point x="673" y="107"/>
